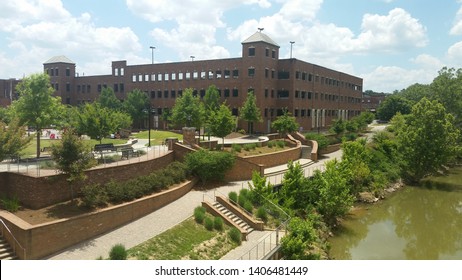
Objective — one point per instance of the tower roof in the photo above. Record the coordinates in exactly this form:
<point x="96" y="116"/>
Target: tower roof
<point x="59" y="59"/>
<point x="260" y="37"/>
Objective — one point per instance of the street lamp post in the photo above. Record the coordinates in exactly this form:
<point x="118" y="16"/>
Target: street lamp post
<point x="291" y="44"/>
<point x="192" y="57"/>
<point x="152" y="54"/>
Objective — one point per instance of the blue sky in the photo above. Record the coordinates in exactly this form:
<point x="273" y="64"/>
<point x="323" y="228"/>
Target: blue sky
<point x="391" y="44"/>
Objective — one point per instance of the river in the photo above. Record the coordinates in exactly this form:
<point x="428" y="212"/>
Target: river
<point x="415" y="223"/>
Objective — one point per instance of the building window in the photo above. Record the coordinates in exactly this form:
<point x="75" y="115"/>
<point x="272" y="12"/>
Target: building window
<point x="251" y="72"/>
<point x="210" y="74"/>
<point x="116" y="87"/>
<point x="227" y="74"/>
<point x="134" y="78"/>
<point x="153" y="77"/>
<point x="297" y="94"/>
<point x="165" y="93"/>
<point x="173" y="76"/>
<point x="159" y="77"/>
<point x="88" y="88"/>
<point x="99" y="87"/>
<point x="235" y="92"/>
<point x="302" y="113"/>
<point x="56" y="72"/>
<point x="266" y="93"/>
<point x="235" y="73"/>
<point x="68" y="87"/>
<point x="140" y="77"/>
<point x="195" y="75"/>
<point x="188" y="75"/>
<point x="252" y="51"/>
<point x="78" y="88"/>
<point x="273" y="53"/>
<point x="296" y="113"/>
<point x="153" y="94"/>
<point x="226" y="92"/>
<point x="283" y="75"/>
<point x="173" y="94"/>
<point x="122" y="87"/>
<point x="283" y="94"/>
<point x="116" y="72"/>
<point x="146" y="77"/>
<point x="180" y="92"/>
<point x="266" y="73"/>
<point x="266" y="112"/>
<point x="297" y="75"/>
<point x="272" y="74"/>
<point x="180" y="76"/>
<point x="166" y="77"/>
<point x="68" y="72"/>
<point x="218" y="74"/>
<point x="121" y="72"/>
<point x="159" y="94"/>
<point x="202" y="93"/>
<point x="202" y="75"/>
<point x="235" y="112"/>
<point x="267" y="52"/>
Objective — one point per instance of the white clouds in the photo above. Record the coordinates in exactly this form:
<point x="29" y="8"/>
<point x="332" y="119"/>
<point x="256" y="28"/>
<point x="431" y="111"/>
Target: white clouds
<point x="301" y="10"/>
<point x="457" y="27"/>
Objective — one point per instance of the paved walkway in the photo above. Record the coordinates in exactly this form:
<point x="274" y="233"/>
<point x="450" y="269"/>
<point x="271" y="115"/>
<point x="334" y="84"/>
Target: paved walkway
<point x="170" y="215"/>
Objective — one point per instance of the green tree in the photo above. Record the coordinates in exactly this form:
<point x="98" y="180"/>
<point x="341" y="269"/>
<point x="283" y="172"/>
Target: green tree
<point x="285" y="124"/>
<point x="222" y="122"/>
<point x="297" y="245"/>
<point x="209" y="165"/>
<point x="355" y="165"/>
<point x="211" y="105"/>
<point x="107" y="99"/>
<point x="72" y="157"/>
<point x="36" y="106"/>
<point x="250" y="112"/>
<point x="338" y="126"/>
<point x="188" y="110"/>
<point x="12" y="139"/>
<point x="295" y="193"/>
<point x="447" y="89"/>
<point x="334" y="199"/>
<point x="136" y="105"/>
<point x="428" y="140"/>
<point x="98" y="122"/>
<point x="415" y="93"/>
<point x="260" y="188"/>
<point x="392" y="105"/>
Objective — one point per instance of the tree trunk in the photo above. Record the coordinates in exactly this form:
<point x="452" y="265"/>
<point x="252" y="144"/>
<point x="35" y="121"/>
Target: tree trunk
<point x="39" y="132"/>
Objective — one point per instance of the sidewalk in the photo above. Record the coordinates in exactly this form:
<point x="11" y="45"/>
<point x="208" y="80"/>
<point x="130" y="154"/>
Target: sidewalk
<point x="170" y="215"/>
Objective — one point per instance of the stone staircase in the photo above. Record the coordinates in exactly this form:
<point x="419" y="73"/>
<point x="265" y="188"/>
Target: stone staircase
<point x="6" y="252"/>
<point x="238" y="221"/>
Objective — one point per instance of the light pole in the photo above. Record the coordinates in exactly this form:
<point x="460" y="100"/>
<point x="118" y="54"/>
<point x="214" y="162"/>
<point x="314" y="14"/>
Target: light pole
<point x="192" y="57"/>
<point x="291" y="44"/>
<point x="152" y="54"/>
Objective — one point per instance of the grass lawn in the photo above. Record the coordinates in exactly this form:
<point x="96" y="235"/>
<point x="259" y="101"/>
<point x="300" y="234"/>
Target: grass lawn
<point x="157" y="136"/>
<point x="188" y="240"/>
<point x="31" y="148"/>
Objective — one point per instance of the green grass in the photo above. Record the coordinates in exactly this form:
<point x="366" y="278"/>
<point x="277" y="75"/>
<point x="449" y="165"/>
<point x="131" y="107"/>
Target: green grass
<point x="31" y="148"/>
<point x="157" y="136"/>
<point x="187" y="240"/>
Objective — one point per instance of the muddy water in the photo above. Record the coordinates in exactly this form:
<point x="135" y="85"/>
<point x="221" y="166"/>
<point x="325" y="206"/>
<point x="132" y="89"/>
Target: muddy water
<point x="417" y="222"/>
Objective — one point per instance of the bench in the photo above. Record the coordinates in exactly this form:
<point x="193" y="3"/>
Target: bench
<point x="45" y="150"/>
<point x="104" y="148"/>
<point x="128" y="152"/>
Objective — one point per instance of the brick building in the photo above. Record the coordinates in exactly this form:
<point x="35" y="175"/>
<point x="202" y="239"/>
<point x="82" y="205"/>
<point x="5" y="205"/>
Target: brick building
<point x="315" y="95"/>
<point x="370" y="103"/>
<point x="7" y="91"/>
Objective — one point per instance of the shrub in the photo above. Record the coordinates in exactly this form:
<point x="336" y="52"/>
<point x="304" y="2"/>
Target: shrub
<point x="10" y="204"/>
<point x="199" y="214"/>
<point x="209" y="165"/>
<point x="351" y="136"/>
<point x="248" y="206"/>
<point x="261" y="214"/>
<point x="251" y="146"/>
<point x="208" y="223"/>
<point x="218" y="223"/>
<point x="118" y="252"/>
<point x="94" y="195"/>
<point x="322" y="140"/>
<point x="233" y="197"/>
<point x="245" y="193"/>
<point x="241" y="200"/>
<point x="236" y="148"/>
<point x="235" y="235"/>
<point x="271" y="144"/>
<point x="281" y="143"/>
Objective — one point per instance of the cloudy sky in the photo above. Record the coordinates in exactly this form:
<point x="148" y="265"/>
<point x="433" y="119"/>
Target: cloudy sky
<point x="391" y="44"/>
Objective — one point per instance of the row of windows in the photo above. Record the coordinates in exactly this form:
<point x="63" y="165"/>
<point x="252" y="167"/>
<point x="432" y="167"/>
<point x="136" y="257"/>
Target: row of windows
<point x="252" y="52"/>
<point x="173" y="93"/>
<point x="55" y="72"/>
<point x="195" y="75"/>
<point x="87" y="88"/>
<point x="304" y="76"/>
<point x="119" y="71"/>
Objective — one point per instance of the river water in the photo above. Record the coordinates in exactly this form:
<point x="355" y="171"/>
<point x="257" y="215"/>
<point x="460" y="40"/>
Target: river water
<point x="415" y="223"/>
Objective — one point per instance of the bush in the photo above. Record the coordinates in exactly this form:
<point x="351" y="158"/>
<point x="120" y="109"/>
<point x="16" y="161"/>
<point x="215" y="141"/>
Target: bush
<point x="249" y="147"/>
<point x="236" y="148"/>
<point x="261" y="214"/>
<point x="271" y="144"/>
<point x="235" y="235"/>
<point x="94" y="195"/>
<point x="281" y="143"/>
<point x="208" y="223"/>
<point x="10" y="204"/>
<point x="233" y="197"/>
<point x="209" y="165"/>
<point x="248" y="206"/>
<point x="118" y="252"/>
<point x="218" y="223"/>
<point x="244" y="193"/>
<point x="199" y="214"/>
<point x="322" y="140"/>
<point x="351" y="136"/>
<point x="241" y="200"/>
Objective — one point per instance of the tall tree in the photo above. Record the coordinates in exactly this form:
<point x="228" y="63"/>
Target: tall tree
<point x="72" y="157"/>
<point x="12" y="139"/>
<point x="250" y="112"/>
<point x="36" y="106"/>
<point x="222" y="122"/>
<point x="285" y="123"/>
<point x="98" y="122"/>
<point x="211" y="105"/>
<point x="136" y="105"/>
<point x="428" y="140"/>
<point x="108" y="99"/>
<point x="447" y="88"/>
<point x="392" y="105"/>
<point x="188" y="110"/>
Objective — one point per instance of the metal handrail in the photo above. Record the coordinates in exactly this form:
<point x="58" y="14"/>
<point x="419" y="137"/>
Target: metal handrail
<point x="16" y="241"/>
<point x="234" y="203"/>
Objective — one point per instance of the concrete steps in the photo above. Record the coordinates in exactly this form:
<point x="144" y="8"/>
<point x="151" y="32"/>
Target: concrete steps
<point x="6" y="252"/>
<point x="238" y="221"/>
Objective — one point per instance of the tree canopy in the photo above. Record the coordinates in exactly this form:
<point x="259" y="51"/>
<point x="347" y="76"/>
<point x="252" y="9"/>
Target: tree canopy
<point x="250" y="112"/>
<point x="392" y="105"/>
<point x="285" y="123"/>
<point x="12" y="139"/>
<point x="108" y="99"/>
<point x="36" y="105"/>
<point x="222" y="122"/>
<point x="188" y="110"/>
<point x="136" y="105"/>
